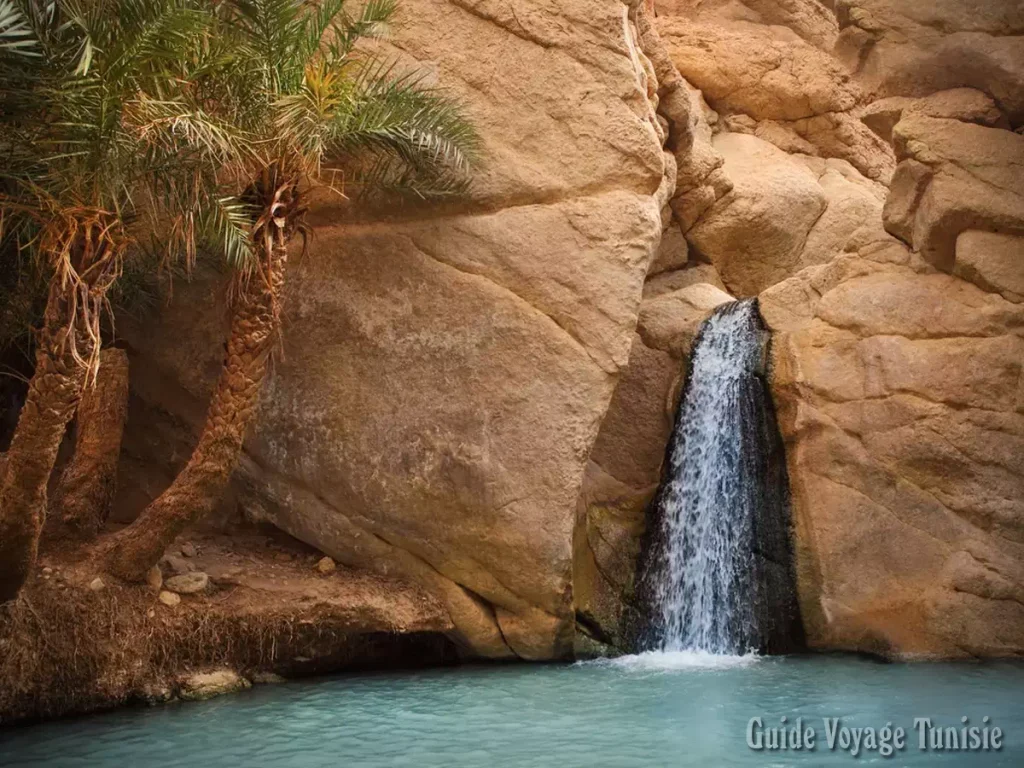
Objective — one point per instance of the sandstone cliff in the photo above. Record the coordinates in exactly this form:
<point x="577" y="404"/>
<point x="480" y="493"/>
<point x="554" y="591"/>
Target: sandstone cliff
<point x="445" y="372"/>
<point x="477" y="399"/>
<point x="873" y="201"/>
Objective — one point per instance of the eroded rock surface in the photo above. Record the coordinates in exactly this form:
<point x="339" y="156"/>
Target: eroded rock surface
<point x="954" y="176"/>
<point x="897" y="364"/>
<point x="784" y="212"/>
<point x="919" y="47"/>
<point x="811" y="20"/>
<point x="476" y="399"/>
<point x="445" y="372"/>
<point x="786" y="89"/>
<point x="899" y="397"/>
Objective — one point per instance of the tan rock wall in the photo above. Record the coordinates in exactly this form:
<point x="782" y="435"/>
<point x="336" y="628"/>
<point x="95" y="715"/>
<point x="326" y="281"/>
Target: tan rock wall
<point x="918" y="47"/>
<point x="899" y="400"/>
<point x="897" y="369"/>
<point x="477" y="397"/>
<point x="445" y="371"/>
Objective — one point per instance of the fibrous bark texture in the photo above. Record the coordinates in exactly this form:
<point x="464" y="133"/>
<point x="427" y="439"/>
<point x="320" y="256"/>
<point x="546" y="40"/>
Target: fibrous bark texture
<point x="53" y="396"/>
<point x="201" y="484"/>
<point x="89" y="481"/>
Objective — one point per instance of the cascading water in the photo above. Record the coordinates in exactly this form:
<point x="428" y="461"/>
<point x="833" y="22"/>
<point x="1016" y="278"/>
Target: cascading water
<point x="719" y="576"/>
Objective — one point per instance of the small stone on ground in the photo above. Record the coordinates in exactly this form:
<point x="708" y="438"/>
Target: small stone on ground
<point x="188" y="583"/>
<point x="177" y="565"/>
<point x="206" y="685"/>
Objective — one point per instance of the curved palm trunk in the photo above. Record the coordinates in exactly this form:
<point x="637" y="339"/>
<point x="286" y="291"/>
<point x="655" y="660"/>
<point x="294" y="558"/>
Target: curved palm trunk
<point x="53" y="395"/>
<point x="200" y="485"/>
<point x="89" y="482"/>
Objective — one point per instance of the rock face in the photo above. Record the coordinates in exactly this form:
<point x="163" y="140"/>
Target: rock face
<point x="992" y="261"/>
<point x="811" y="20"/>
<point x="784" y="212"/>
<point x="919" y="47"/>
<point x="477" y="398"/>
<point x="897" y="365"/>
<point x="445" y="372"/>
<point x="777" y="85"/>
<point x="953" y="177"/>
<point x="754" y="70"/>
<point x="899" y="396"/>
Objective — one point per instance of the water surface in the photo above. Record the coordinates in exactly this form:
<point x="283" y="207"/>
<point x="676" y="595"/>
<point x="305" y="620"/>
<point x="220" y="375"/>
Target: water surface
<point x="655" y="710"/>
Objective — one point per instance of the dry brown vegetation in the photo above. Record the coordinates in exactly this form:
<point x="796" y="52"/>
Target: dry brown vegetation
<point x="65" y="648"/>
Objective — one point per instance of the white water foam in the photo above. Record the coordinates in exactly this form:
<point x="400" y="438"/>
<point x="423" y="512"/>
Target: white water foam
<point x="671" y="661"/>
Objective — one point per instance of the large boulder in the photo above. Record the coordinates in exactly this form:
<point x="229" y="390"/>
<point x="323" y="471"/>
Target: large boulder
<point x="445" y="405"/>
<point x="767" y="74"/>
<point x="992" y="261"/>
<point x="784" y="213"/>
<point x="898" y="390"/>
<point x="811" y="20"/>
<point x="755" y="235"/>
<point x="918" y="47"/>
<point x="445" y="371"/>
<point x="753" y="69"/>
<point x="201" y="686"/>
<point x="966" y="104"/>
<point x="953" y="176"/>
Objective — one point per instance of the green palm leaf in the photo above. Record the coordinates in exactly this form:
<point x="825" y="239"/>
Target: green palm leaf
<point x="17" y="36"/>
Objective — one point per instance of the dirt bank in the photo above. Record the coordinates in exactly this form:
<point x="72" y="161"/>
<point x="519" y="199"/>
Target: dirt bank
<point x="70" y="645"/>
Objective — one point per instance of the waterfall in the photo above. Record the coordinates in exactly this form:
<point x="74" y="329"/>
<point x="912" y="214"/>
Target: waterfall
<point x="719" y="576"/>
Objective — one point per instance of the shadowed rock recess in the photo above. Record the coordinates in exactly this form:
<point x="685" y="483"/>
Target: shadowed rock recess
<point x="476" y="398"/>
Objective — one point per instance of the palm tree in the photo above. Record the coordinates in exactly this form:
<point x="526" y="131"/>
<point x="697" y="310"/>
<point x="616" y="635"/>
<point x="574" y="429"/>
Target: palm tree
<point x="301" y="85"/>
<point x="100" y="132"/>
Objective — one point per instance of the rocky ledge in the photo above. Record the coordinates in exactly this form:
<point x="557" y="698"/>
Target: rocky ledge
<point x="221" y="612"/>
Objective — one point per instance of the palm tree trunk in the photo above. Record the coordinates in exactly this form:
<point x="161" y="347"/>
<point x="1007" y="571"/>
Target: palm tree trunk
<point x="200" y="485"/>
<point x="53" y="395"/>
<point x="87" y="486"/>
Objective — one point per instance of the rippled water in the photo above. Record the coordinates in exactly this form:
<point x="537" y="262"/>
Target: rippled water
<point x="651" y="710"/>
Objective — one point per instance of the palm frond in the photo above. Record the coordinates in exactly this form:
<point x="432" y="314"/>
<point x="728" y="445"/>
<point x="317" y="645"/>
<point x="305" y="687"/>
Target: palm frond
<point x="392" y="114"/>
<point x="118" y="118"/>
<point x="275" y="31"/>
<point x="318" y="21"/>
<point x="372" y="21"/>
<point x="226" y="224"/>
<point x="387" y="175"/>
<point x="17" y="37"/>
<point x="173" y="129"/>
